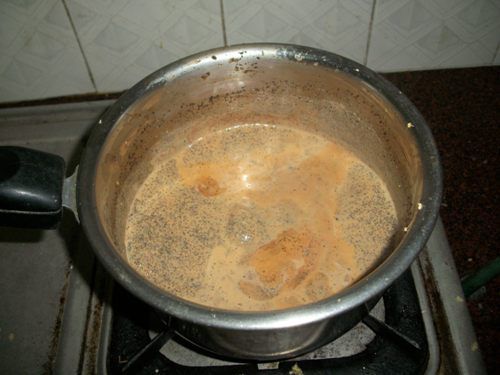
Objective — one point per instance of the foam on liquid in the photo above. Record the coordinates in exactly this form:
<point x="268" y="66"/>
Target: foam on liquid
<point x="258" y="217"/>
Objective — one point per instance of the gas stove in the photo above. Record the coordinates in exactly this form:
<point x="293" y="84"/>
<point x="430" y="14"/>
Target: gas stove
<point x="392" y="339"/>
<point x="63" y="314"/>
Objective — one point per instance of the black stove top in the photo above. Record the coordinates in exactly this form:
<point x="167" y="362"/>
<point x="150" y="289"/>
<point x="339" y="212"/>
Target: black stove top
<point x="399" y="345"/>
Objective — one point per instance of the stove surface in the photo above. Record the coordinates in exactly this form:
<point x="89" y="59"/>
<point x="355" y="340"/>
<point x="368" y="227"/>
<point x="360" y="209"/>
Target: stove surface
<point x="56" y="297"/>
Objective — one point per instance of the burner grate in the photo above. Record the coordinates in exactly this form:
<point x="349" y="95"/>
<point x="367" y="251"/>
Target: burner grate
<point x="399" y="345"/>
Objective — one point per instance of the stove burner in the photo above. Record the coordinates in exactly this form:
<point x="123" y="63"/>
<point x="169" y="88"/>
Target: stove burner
<point x="351" y="343"/>
<point x="391" y="340"/>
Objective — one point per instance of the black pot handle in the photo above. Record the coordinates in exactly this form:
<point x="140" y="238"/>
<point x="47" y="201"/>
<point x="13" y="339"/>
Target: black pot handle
<point x="31" y="187"/>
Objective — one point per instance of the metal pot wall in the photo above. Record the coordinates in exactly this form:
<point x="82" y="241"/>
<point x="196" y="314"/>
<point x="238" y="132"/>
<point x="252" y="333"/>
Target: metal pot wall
<point x="325" y="91"/>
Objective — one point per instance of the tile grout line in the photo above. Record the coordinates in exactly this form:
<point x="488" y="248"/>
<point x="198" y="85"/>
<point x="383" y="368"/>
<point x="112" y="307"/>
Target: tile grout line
<point x="79" y="45"/>
<point x="223" y="22"/>
<point x="370" y="27"/>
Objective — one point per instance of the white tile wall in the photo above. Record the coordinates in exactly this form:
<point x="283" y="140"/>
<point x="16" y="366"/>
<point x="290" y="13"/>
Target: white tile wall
<point x="429" y="34"/>
<point x="339" y="26"/>
<point x="40" y="55"/>
<point x="124" y="40"/>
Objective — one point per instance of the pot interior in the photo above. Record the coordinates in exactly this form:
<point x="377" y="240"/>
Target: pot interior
<point x="221" y="91"/>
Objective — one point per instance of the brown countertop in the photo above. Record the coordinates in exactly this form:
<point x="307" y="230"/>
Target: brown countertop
<point x="462" y="107"/>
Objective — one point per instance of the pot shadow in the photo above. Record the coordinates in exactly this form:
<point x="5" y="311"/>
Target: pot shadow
<point x="19" y="235"/>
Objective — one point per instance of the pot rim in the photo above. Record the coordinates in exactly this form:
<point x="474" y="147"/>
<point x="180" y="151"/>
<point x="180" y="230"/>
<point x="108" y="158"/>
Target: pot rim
<point x="368" y="287"/>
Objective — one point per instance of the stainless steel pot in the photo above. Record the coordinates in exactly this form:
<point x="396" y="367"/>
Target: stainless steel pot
<point x="327" y="92"/>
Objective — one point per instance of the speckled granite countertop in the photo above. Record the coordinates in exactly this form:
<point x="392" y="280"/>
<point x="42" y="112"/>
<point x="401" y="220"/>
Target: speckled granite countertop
<point x="462" y="107"/>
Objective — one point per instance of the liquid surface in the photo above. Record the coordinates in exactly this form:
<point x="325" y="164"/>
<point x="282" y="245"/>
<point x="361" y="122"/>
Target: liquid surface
<point x="258" y="217"/>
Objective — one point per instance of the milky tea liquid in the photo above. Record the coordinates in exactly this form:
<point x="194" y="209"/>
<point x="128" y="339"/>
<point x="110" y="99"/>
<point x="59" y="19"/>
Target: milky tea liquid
<point x="258" y="217"/>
